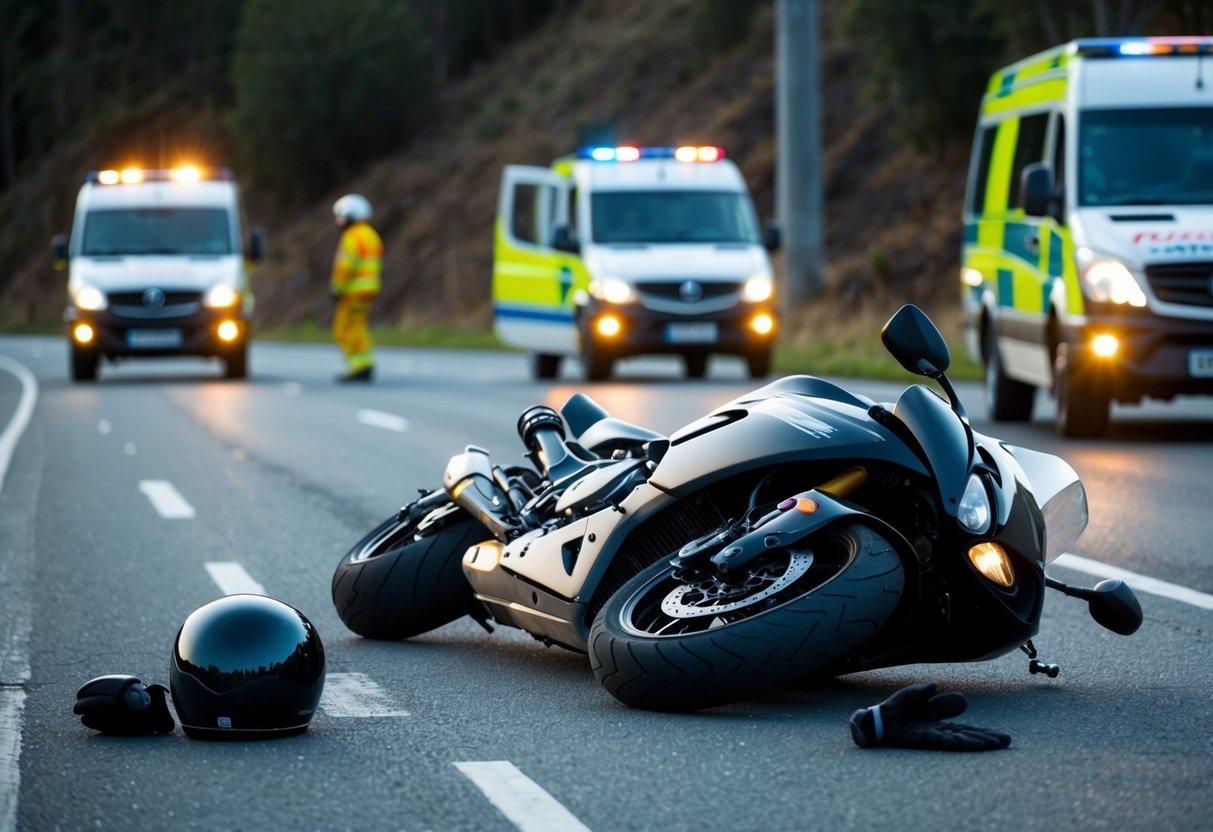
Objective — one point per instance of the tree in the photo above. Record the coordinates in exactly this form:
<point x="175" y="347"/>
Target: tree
<point x="322" y="88"/>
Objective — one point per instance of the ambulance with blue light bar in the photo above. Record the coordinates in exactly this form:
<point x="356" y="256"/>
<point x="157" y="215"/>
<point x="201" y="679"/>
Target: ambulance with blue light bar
<point x="616" y="252"/>
<point x="157" y="267"/>
<point x="1088" y="246"/>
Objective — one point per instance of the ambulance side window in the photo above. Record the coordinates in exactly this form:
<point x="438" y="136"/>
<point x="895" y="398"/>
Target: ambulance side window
<point x="526" y="217"/>
<point x="984" y="149"/>
<point x="1059" y="153"/>
<point x="1029" y="148"/>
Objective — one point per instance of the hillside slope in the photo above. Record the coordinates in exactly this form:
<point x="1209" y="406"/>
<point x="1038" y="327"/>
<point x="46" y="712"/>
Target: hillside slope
<point x="892" y="224"/>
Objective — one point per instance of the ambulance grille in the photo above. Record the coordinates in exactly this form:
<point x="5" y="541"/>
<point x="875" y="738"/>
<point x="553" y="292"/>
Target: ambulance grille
<point x="1187" y="283"/>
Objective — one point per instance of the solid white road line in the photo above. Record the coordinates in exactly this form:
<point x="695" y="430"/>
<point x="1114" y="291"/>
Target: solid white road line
<point x="15" y="658"/>
<point x="20" y="418"/>
<point x="387" y="421"/>
<point x="232" y="579"/>
<point x="524" y="803"/>
<point x="355" y="695"/>
<point x="1144" y="583"/>
<point x="167" y="501"/>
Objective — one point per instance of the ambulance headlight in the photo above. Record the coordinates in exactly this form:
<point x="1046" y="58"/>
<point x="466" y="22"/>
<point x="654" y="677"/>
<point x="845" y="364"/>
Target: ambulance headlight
<point x="89" y="298"/>
<point x="611" y="289"/>
<point x="221" y="297"/>
<point x="1107" y="280"/>
<point x="758" y="288"/>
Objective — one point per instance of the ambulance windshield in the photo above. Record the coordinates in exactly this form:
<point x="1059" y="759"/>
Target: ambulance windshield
<point x="134" y="231"/>
<point x="673" y="217"/>
<point x="1146" y="157"/>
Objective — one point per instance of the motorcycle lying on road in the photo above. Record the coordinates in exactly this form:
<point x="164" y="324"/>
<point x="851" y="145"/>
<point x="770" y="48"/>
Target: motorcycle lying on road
<point x="797" y="530"/>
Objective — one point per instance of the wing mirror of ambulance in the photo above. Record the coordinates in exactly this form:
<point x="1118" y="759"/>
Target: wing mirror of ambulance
<point x="563" y="240"/>
<point x="772" y="237"/>
<point x="59" y="252"/>
<point x="1040" y="196"/>
<point x="256" y="244"/>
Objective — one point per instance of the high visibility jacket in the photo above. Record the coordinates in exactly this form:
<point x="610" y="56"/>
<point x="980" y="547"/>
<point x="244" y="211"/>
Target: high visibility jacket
<point x="358" y="262"/>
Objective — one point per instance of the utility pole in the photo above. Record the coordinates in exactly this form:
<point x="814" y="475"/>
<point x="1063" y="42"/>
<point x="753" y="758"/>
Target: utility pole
<point x="799" y="173"/>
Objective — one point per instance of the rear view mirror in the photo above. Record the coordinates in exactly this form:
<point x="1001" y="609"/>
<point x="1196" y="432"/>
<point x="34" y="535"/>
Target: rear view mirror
<point x="256" y="244"/>
<point x="772" y="238"/>
<point x="59" y="251"/>
<point x="563" y="240"/>
<point x="913" y="340"/>
<point x="1036" y="190"/>
<point x="1114" y="605"/>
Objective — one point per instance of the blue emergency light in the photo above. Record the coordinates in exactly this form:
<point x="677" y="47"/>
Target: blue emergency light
<point x="1143" y="47"/>
<point x="631" y="153"/>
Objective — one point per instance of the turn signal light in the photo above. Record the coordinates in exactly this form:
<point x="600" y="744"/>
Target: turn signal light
<point x="1105" y="345"/>
<point x="762" y="323"/>
<point x="608" y="326"/>
<point x="229" y="331"/>
<point x="991" y="560"/>
<point x="83" y="334"/>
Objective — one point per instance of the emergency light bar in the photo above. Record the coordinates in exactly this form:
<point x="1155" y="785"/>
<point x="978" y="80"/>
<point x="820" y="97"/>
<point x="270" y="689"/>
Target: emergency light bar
<point x="630" y="153"/>
<point x="1143" y="47"/>
<point x="185" y="174"/>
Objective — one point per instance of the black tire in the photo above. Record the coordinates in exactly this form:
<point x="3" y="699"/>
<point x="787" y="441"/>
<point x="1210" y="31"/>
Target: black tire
<point x="696" y="364"/>
<point x="1009" y="400"/>
<point x="84" y="364"/>
<point x="235" y="364"/>
<point x="545" y="366"/>
<point x="393" y="585"/>
<point x="597" y="366"/>
<point x="773" y="647"/>
<point x="1083" y="403"/>
<point x="759" y="364"/>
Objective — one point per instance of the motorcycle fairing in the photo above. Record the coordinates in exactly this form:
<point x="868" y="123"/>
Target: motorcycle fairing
<point x="943" y="437"/>
<point x="796" y="419"/>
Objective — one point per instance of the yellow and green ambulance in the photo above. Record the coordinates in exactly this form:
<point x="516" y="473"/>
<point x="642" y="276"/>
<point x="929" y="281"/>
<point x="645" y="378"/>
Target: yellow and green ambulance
<point x="621" y="251"/>
<point x="1088" y="239"/>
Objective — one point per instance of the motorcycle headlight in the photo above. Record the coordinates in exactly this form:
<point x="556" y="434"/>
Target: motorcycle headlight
<point x="221" y="297"/>
<point x="1107" y="280"/>
<point x="974" y="509"/>
<point x="611" y="289"/>
<point x="758" y="288"/>
<point x="89" y="298"/>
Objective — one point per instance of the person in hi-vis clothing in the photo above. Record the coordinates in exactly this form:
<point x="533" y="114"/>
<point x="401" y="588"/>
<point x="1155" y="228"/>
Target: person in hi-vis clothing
<point x="355" y="283"/>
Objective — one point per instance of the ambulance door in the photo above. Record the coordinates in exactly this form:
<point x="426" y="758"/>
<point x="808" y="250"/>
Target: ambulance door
<point x="532" y="281"/>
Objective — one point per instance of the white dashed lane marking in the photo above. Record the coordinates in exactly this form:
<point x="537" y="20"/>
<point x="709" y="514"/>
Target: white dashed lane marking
<point x="1142" y="583"/>
<point x="356" y="695"/>
<point x="166" y="499"/>
<point x="387" y="421"/>
<point x="524" y="803"/>
<point x="232" y="579"/>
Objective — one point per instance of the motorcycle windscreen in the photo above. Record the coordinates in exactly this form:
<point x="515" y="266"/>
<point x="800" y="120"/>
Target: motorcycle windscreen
<point x="1059" y="493"/>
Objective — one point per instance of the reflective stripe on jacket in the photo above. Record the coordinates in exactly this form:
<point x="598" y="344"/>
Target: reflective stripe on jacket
<point x="359" y="260"/>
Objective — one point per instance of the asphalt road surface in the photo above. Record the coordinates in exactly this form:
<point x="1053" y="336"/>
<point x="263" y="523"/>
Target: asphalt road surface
<point x="130" y="502"/>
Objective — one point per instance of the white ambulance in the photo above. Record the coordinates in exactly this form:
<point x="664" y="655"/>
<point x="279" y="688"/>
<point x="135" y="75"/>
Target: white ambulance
<point x="622" y="251"/>
<point x="157" y="266"/>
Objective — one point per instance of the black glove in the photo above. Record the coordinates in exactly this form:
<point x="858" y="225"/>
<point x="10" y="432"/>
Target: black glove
<point x="912" y="718"/>
<point x="123" y="705"/>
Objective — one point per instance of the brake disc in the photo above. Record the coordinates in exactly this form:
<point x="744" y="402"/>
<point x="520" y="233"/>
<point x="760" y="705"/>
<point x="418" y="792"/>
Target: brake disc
<point x="675" y="604"/>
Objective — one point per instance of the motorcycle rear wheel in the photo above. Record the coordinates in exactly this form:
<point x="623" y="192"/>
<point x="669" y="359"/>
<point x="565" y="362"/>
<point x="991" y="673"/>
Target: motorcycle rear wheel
<point x="649" y="658"/>
<point x="395" y="584"/>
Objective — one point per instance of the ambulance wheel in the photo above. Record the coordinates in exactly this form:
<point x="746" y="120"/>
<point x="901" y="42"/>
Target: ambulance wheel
<point x="84" y="364"/>
<point x="235" y="364"/>
<point x="597" y="366"/>
<point x="545" y="365"/>
<point x="759" y="364"/>
<point x="1083" y="403"/>
<point x="696" y="365"/>
<point x="1009" y="400"/>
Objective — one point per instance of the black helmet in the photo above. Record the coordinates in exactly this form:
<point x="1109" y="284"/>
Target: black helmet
<point x="246" y="665"/>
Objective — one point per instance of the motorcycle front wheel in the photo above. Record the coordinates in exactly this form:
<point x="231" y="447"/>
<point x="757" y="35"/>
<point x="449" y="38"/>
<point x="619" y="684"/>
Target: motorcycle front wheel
<point x="673" y="642"/>
<point x="398" y="582"/>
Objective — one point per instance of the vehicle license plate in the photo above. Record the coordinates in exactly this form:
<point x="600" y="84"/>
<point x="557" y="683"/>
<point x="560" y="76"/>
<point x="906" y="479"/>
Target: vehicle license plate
<point x="691" y="332"/>
<point x="1200" y="363"/>
<point x="153" y="339"/>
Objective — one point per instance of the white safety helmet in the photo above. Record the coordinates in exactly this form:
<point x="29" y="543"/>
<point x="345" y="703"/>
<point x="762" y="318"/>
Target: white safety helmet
<point x="352" y="208"/>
